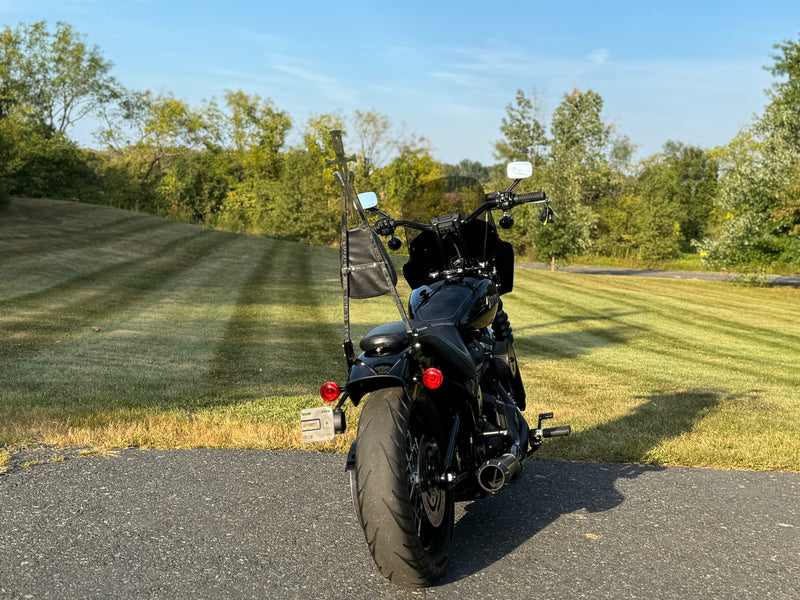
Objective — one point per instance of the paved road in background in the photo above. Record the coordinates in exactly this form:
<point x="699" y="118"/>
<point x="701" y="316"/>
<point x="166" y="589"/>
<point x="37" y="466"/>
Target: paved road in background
<point x="269" y="524"/>
<point x="780" y="280"/>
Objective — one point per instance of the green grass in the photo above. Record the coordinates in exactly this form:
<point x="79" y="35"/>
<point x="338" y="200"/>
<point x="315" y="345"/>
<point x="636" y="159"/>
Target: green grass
<point x="213" y="339"/>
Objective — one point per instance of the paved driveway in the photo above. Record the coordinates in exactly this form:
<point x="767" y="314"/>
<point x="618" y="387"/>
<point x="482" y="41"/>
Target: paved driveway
<point x="263" y="524"/>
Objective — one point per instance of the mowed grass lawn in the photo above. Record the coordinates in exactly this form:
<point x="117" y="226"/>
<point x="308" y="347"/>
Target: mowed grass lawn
<point x="119" y="329"/>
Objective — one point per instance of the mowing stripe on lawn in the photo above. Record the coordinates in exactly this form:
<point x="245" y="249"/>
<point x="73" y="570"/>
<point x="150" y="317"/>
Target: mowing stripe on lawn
<point x="60" y="311"/>
<point x="214" y="339"/>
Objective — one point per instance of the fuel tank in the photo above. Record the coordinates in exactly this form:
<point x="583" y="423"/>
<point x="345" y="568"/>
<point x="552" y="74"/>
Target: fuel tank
<point x="465" y="302"/>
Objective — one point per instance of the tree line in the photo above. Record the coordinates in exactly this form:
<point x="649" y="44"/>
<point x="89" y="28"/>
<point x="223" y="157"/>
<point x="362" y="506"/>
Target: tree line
<point x="227" y="164"/>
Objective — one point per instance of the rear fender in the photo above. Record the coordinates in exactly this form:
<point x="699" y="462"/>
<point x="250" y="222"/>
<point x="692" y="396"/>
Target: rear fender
<point x="370" y="373"/>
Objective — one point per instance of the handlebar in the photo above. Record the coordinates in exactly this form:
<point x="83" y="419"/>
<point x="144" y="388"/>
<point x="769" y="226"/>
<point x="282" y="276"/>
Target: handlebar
<point x="507" y="199"/>
<point x="532" y="197"/>
<point x="494" y="201"/>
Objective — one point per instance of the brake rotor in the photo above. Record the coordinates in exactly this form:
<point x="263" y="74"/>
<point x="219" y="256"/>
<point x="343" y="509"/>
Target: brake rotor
<point x="431" y="492"/>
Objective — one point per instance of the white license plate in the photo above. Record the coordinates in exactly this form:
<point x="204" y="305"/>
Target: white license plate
<point x="317" y="424"/>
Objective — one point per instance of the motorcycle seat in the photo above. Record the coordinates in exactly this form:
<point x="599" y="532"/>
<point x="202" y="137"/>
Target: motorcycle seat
<point x="388" y="338"/>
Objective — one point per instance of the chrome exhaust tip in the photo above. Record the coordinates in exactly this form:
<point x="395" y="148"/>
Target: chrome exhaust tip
<point x="497" y="472"/>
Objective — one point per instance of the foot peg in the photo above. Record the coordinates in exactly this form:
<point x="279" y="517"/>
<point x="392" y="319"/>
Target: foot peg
<point x="540" y="433"/>
<point x="556" y="431"/>
<point x="542" y="417"/>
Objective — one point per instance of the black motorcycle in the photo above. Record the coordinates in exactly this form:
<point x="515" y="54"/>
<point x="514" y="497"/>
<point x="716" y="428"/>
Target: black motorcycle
<point x="441" y="387"/>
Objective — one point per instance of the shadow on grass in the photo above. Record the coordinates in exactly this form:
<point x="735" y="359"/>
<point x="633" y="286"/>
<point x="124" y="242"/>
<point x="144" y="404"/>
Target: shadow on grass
<point x="293" y="349"/>
<point x="494" y="527"/>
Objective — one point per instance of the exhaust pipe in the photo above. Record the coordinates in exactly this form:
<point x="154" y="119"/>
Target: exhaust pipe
<point x="496" y="472"/>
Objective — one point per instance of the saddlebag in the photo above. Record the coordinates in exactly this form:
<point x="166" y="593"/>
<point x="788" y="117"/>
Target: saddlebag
<point x="366" y="257"/>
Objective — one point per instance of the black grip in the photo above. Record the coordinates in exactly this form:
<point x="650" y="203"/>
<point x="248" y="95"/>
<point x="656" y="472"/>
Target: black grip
<point x="556" y="431"/>
<point x="532" y="197"/>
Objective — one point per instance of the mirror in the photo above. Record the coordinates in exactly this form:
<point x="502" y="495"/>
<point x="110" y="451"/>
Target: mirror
<point x="368" y="200"/>
<point x="519" y="170"/>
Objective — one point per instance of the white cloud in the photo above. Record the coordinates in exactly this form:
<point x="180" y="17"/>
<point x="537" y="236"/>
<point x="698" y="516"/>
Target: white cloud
<point x="600" y="57"/>
<point x="337" y="92"/>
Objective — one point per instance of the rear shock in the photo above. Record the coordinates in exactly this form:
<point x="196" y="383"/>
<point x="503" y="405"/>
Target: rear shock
<point x="501" y="327"/>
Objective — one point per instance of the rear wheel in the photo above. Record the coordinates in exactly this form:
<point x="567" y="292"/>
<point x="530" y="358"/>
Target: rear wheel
<point x="406" y="513"/>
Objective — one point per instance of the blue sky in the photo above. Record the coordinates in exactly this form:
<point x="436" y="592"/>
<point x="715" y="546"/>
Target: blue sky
<point x="688" y="71"/>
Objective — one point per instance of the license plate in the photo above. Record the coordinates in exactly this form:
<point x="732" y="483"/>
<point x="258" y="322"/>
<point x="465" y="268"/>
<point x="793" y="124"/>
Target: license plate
<point x="317" y="424"/>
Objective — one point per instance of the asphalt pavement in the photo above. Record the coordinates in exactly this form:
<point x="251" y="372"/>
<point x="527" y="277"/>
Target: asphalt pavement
<point x="274" y="524"/>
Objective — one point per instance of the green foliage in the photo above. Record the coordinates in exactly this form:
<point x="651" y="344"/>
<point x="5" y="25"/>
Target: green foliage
<point x="297" y="201"/>
<point x="307" y="198"/>
<point x="524" y="135"/>
<point x="578" y="129"/>
<point x="48" y="81"/>
<point x="759" y="191"/>
<point x="247" y="208"/>
<point x="7" y="153"/>
<point x="196" y="185"/>
<point x="468" y="168"/>
<point x="577" y="175"/>
<point x="123" y="182"/>
<point x="786" y="92"/>
<point x="54" y="73"/>
<point x="372" y="131"/>
<point x="671" y="206"/>
<point x="570" y="234"/>
<point x="405" y="172"/>
<point x="257" y="132"/>
<point x="42" y="166"/>
<point x="684" y="180"/>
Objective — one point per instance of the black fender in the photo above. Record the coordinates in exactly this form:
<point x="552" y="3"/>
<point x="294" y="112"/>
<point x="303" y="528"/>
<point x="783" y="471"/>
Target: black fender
<point x="373" y="372"/>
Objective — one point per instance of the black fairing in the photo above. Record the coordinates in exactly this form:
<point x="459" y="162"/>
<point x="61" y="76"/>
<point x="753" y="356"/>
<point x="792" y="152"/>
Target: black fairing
<point x="428" y="256"/>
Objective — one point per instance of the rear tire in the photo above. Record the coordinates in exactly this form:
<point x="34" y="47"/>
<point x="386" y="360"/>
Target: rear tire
<point x="406" y="515"/>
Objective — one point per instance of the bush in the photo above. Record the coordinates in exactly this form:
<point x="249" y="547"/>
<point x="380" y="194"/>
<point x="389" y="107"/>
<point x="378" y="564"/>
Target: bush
<point x="54" y="167"/>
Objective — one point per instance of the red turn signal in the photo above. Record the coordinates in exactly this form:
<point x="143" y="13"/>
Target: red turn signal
<point x="329" y="391"/>
<point x="432" y="378"/>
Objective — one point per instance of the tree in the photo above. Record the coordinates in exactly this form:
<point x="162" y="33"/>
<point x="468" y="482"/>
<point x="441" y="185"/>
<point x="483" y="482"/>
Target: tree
<point x="758" y="193"/>
<point x="413" y="166"/>
<point x="468" y="168"/>
<point x="572" y="232"/>
<point x="524" y="135"/>
<point x="256" y="131"/>
<point x="56" y="74"/>
<point x="678" y="188"/>
<point x="786" y="92"/>
<point x="372" y="130"/>
<point x="159" y="126"/>
<point x="196" y="185"/>
<point x="301" y="203"/>
<point x="309" y="195"/>
<point x="577" y="173"/>
<point x="578" y="129"/>
<point x="760" y="181"/>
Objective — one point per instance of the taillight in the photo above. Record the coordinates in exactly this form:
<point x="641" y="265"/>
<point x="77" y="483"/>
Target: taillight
<point x="432" y="378"/>
<point x="329" y="391"/>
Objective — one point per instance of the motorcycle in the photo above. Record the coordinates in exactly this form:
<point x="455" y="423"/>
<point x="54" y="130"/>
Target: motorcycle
<point x="442" y="391"/>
